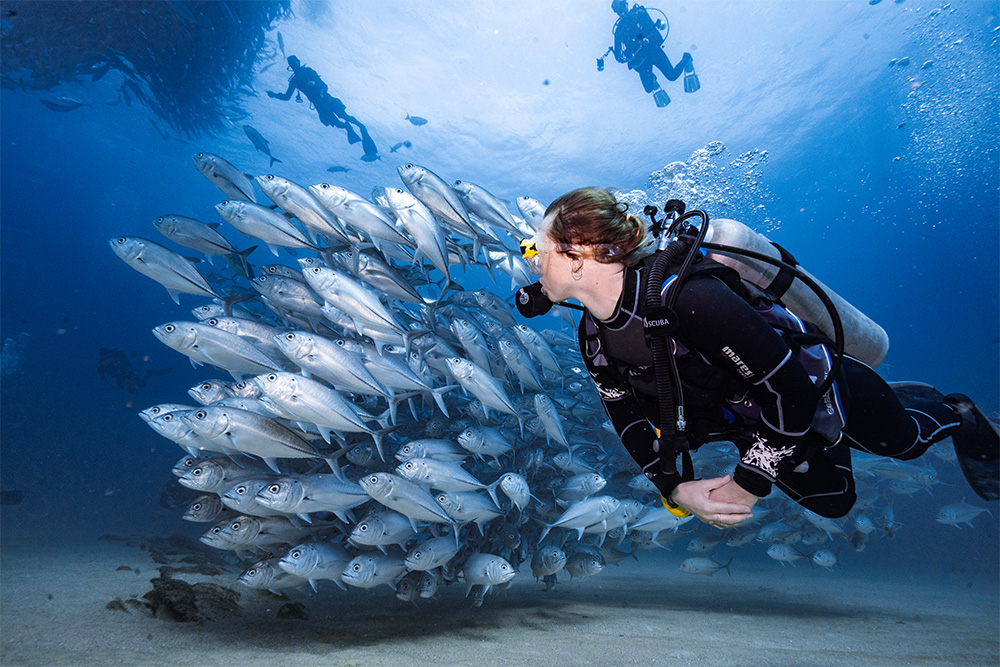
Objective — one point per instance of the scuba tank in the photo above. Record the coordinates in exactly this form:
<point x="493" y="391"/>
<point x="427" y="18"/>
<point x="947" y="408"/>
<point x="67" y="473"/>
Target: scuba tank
<point x="863" y="339"/>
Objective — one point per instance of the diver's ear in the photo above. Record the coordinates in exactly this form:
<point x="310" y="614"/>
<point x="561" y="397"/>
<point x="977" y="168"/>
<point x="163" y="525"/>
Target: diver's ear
<point x="576" y="267"/>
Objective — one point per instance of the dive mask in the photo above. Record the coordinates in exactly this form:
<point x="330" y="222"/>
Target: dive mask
<point x="533" y="248"/>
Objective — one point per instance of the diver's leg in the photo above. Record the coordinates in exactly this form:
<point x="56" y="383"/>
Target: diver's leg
<point x="824" y="483"/>
<point x="662" y="63"/>
<point x="878" y="423"/>
<point x="649" y="82"/>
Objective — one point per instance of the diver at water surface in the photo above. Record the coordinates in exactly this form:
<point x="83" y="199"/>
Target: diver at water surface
<point x="730" y="362"/>
<point x="332" y="111"/>
<point x="639" y="44"/>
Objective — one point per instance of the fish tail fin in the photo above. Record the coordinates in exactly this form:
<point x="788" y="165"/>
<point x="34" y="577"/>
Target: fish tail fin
<point x="492" y="490"/>
<point x="241" y="259"/>
<point x="273" y="160"/>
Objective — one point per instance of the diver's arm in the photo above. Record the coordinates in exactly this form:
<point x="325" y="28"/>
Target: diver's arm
<point x="634" y="430"/>
<point x="733" y="336"/>
<point x="287" y="95"/>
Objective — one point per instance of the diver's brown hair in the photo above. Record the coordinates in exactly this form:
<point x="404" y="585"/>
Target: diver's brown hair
<point x="593" y="217"/>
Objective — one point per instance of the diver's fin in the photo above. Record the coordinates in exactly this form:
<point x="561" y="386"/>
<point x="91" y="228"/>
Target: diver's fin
<point x="977" y="445"/>
<point x="661" y="98"/>
<point x="912" y="393"/>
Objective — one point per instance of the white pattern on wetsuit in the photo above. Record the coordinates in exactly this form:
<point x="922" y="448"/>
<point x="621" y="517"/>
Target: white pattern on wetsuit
<point x="765" y="458"/>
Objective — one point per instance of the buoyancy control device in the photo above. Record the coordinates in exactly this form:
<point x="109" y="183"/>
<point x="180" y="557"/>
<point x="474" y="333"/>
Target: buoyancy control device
<point x="760" y="263"/>
<point x="863" y="339"/>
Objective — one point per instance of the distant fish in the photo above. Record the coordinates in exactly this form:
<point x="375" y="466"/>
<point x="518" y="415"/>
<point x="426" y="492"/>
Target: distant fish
<point x="260" y="143"/>
<point x="705" y="566"/>
<point x="65" y="104"/>
<point x="371" y="157"/>
<point x="416" y="120"/>
<point x="281" y="43"/>
<point x="401" y="144"/>
<point x="337" y="168"/>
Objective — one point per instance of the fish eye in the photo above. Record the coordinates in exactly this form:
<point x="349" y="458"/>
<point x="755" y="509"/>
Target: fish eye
<point x="340" y="343"/>
<point x="213" y="321"/>
<point x="196" y="507"/>
<point x="272" y="377"/>
<point x="363" y="527"/>
<point x="166" y="417"/>
<point x="262" y="279"/>
<point x="356" y="567"/>
<point x="241" y="490"/>
<point x="268" y="177"/>
<point x="324" y="186"/>
<point x="409" y="166"/>
<point x="289" y="336"/>
<point x="160" y="219"/>
<point x="201" y="414"/>
<point x="196" y="471"/>
<point x="169" y="328"/>
<point x="206" y="386"/>
<point x="121" y="239"/>
<point x="235" y="525"/>
<point x="216" y="531"/>
<point x="251" y="572"/>
<point x="296" y="554"/>
<point x="274" y="488"/>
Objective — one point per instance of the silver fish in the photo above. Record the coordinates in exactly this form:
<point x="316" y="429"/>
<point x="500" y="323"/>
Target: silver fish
<point x="267" y="575"/>
<point x="163" y="265"/>
<point x="249" y="433"/>
<point x="264" y="224"/>
<point x="440" y="475"/>
<point x="547" y="561"/>
<point x="206" y="344"/>
<point x="419" y="223"/>
<point x="486" y="570"/>
<point x="324" y="358"/>
<point x="353" y="210"/>
<point x="432" y="553"/>
<point x="373" y="569"/>
<point x="223" y="175"/>
<point x="706" y="566"/>
<point x="298" y="202"/>
<point x="405" y="497"/>
<point x="316" y="560"/>
<point x="385" y="529"/>
<point x="303" y="494"/>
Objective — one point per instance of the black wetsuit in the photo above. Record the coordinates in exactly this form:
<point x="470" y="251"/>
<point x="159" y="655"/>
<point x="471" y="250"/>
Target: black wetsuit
<point x="742" y="382"/>
<point x="639" y="43"/>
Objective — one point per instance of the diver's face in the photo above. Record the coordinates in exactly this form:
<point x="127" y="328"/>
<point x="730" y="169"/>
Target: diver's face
<point x="555" y="267"/>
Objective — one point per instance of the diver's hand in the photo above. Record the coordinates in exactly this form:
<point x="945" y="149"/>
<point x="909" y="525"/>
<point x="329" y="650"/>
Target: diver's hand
<point x="271" y="94"/>
<point x="706" y="500"/>
<point x="732" y="492"/>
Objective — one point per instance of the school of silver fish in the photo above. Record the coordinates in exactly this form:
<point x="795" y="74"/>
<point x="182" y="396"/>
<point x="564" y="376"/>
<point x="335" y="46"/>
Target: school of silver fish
<point x="384" y="426"/>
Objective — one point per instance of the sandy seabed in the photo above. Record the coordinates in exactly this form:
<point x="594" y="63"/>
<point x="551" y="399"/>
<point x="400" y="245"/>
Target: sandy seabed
<point x="55" y="612"/>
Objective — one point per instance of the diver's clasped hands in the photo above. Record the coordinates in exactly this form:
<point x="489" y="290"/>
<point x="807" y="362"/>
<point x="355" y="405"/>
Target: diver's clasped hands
<point x="271" y="94"/>
<point x="719" y="502"/>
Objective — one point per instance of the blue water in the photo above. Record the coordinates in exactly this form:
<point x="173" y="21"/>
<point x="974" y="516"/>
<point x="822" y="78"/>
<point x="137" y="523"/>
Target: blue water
<point x="882" y="180"/>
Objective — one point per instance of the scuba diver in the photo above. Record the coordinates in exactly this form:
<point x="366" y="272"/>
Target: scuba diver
<point x="684" y="350"/>
<point x="638" y="43"/>
<point x="332" y="112"/>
